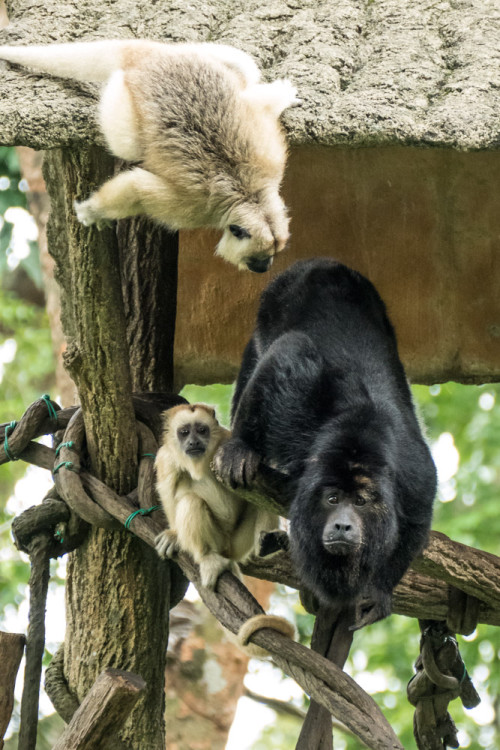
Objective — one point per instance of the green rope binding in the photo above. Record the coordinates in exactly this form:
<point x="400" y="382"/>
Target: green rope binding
<point x="66" y="465"/>
<point x="9" y="455"/>
<point x="59" y="536"/>
<point x="140" y="512"/>
<point x="68" y="444"/>
<point x="148" y="455"/>
<point x="50" y="407"/>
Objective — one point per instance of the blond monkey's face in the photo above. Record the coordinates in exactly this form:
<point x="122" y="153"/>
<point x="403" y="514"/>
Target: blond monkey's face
<point x="253" y="235"/>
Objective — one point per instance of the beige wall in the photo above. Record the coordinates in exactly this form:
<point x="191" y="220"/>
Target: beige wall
<point x="422" y="224"/>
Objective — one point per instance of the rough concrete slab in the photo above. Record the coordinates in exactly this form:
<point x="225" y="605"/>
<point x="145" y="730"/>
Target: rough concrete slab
<point x="368" y="71"/>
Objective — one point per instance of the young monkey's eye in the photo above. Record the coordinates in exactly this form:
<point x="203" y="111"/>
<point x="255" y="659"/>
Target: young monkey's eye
<point x="359" y="501"/>
<point x="239" y="232"/>
<point x="333" y="499"/>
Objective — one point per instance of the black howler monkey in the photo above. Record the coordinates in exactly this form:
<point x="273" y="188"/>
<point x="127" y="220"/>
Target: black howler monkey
<point x="322" y="396"/>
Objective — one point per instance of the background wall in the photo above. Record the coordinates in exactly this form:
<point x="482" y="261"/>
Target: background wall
<point x="422" y="224"/>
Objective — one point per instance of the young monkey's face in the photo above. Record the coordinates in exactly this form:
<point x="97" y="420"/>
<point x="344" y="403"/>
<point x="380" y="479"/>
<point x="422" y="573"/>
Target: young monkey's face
<point x="193" y="437"/>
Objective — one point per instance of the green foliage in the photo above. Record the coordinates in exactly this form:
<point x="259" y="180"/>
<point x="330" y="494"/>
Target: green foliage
<point x="217" y="395"/>
<point x="50" y="729"/>
<point x="282" y="734"/>
<point x="10" y="195"/>
<point x="26" y="371"/>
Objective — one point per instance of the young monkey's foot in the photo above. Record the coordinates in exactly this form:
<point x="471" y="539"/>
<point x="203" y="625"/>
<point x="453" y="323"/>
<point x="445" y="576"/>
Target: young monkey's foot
<point x="166" y="543"/>
<point x="211" y="566"/>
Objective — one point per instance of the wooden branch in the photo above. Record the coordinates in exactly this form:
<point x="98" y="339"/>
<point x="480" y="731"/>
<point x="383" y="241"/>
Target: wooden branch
<point x="38" y="455"/>
<point x="146" y="482"/>
<point x="11" y="653"/>
<point x="56" y="687"/>
<point x="102" y="712"/>
<point x="43" y="426"/>
<point x="68" y="481"/>
<point x="468" y="569"/>
<point x="416" y="595"/>
<point x="232" y="604"/>
<point x="35" y="642"/>
<point x="35" y="421"/>
<point x="281" y="707"/>
<point x="331" y="638"/>
<point x="36" y="519"/>
<point x="52" y="513"/>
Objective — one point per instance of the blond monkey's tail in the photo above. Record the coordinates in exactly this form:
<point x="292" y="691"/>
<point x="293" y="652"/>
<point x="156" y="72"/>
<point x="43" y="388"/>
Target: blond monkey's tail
<point x="81" y="61"/>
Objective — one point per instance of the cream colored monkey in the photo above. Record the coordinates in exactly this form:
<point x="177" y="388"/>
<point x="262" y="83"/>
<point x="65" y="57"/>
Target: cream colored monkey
<point x="206" y="519"/>
<point x="205" y="131"/>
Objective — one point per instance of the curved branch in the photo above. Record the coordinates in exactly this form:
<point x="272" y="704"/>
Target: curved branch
<point x="232" y="604"/>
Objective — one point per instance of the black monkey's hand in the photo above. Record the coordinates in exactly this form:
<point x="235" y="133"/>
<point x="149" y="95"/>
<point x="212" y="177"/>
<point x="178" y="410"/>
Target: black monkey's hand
<point x="235" y="464"/>
<point x="371" y="606"/>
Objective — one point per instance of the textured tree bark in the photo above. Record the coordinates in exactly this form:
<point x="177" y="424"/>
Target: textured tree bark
<point x="11" y="652"/>
<point x="101" y="714"/>
<point x="117" y="588"/>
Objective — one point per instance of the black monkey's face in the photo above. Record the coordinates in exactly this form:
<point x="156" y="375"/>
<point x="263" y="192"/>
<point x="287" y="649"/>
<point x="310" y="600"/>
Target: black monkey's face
<point x="343" y="527"/>
<point x="193" y="438"/>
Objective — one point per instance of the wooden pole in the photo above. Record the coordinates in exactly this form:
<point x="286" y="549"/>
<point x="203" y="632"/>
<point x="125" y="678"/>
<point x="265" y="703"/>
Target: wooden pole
<point x="11" y="652"/>
<point x="102" y="712"/>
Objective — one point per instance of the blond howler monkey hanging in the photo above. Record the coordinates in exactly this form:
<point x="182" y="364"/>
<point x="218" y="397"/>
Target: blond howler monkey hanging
<point x="203" y="128"/>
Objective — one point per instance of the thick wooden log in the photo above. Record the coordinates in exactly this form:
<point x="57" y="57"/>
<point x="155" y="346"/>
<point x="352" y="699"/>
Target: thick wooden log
<point x="11" y="652"/>
<point x="468" y="569"/>
<point x="102" y="712"/>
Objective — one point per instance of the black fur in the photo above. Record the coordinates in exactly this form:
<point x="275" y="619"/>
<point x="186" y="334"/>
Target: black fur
<point x="323" y="397"/>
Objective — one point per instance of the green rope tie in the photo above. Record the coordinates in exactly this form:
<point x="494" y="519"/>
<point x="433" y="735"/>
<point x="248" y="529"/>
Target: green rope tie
<point x="140" y="512"/>
<point x="8" y="429"/>
<point x="59" y="536"/>
<point x="65" y="465"/>
<point x="464" y="674"/>
<point x="50" y="407"/>
<point x="68" y="444"/>
<point x="148" y="455"/>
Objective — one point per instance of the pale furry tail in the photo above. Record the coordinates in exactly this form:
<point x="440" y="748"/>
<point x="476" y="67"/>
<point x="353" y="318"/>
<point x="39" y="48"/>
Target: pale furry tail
<point x="96" y="61"/>
<point x="81" y="61"/>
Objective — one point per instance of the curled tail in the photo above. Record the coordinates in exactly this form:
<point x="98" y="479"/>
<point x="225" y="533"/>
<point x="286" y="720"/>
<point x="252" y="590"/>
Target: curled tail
<point x="81" y="61"/>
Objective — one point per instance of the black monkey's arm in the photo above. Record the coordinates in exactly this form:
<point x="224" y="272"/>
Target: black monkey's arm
<point x="275" y="410"/>
<point x="248" y="365"/>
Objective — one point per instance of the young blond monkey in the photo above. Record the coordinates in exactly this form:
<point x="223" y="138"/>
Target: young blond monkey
<point x="205" y="131"/>
<point x="206" y="519"/>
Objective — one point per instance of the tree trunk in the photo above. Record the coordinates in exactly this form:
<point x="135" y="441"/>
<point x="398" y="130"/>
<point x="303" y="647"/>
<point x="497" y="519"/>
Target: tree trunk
<point x="118" y="590"/>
